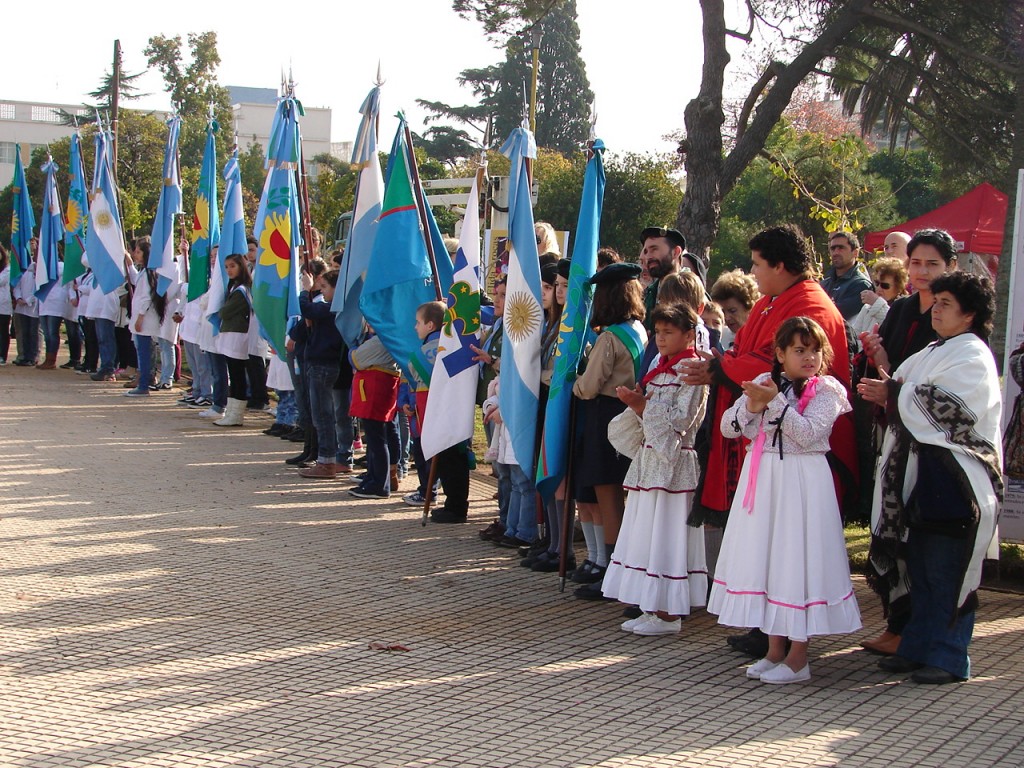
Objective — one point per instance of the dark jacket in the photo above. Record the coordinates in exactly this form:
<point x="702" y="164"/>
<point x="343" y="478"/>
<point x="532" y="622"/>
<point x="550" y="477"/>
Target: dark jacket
<point x="324" y="343"/>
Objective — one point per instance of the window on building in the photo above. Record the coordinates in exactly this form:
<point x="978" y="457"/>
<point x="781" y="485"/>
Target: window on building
<point x="45" y="115"/>
<point x="6" y="111"/>
<point x="8" y="150"/>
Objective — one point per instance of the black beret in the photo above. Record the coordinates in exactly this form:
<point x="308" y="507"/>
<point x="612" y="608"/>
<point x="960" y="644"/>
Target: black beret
<point x="564" y="265"/>
<point x="674" y="236"/>
<point x="619" y="272"/>
<point x="548" y="273"/>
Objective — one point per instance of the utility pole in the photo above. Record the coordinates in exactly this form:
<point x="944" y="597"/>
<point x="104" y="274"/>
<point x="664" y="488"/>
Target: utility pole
<point x="116" y="86"/>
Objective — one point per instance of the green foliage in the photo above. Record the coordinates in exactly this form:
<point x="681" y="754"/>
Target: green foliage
<point x="331" y="191"/>
<point x="915" y="179"/>
<point x="501" y="18"/>
<point x="821" y="184"/>
<point x="563" y="90"/>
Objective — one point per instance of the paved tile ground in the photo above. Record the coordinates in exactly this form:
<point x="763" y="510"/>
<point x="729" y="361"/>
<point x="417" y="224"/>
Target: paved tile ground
<point x="172" y="595"/>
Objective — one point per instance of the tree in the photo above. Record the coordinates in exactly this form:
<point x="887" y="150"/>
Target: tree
<point x="563" y="90"/>
<point x="914" y="176"/>
<point x="194" y="90"/>
<point x="104" y="96"/>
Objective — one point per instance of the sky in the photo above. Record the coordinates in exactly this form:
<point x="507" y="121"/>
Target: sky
<point x="643" y="66"/>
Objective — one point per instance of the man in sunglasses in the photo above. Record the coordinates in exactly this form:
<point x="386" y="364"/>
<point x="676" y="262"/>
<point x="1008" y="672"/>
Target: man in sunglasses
<point x="847" y="277"/>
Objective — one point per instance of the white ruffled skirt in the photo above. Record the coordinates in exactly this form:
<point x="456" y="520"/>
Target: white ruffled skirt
<point x="783" y="567"/>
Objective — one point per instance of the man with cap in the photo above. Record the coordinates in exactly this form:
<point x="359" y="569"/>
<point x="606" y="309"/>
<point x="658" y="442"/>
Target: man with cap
<point x="664" y="253"/>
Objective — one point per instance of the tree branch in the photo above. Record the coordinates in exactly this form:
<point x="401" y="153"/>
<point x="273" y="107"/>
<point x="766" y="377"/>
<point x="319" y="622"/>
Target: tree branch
<point x="770" y="72"/>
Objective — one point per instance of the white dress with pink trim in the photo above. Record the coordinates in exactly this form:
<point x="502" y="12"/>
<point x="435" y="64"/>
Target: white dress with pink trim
<point x="659" y="561"/>
<point x="783" y="567"/>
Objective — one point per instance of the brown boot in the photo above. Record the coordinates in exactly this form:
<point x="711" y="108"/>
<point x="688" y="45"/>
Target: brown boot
<point x="886" y="644"/>
<point x="320" y="471"/>
<point x="394" y="477"/>
<point x="48" y="364"/>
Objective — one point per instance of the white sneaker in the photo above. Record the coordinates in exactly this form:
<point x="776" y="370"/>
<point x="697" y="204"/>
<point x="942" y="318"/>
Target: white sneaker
<point x="783" y="675"/>
<point x="209" y="413"/>
<point x="655" y="626"/>
<point x="758" y="668"/>
<point x="631" y="624"/>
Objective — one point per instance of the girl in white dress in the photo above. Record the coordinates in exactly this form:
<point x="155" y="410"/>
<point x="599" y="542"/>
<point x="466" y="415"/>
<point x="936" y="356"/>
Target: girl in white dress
<point x="783" y="566"/>
<point x="659" y="561"/>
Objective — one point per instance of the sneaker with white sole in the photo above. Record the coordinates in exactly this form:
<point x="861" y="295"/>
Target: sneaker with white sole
<point x="211" y="413"/>
<point x="201" y="404"/>
<point x="783" y="675"/>
<point x="653" y="626"/>
<point x="631" y="624"/>
<point x="758" y="668"/>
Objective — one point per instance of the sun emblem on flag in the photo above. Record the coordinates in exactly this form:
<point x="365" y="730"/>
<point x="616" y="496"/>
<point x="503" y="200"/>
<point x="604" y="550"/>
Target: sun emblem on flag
<point x="275" y="244"/>
<point x="200" y="219"/>
<point x="74" y="215"/>
<point x="104" y="219"/>
<point x="522" y="316"/>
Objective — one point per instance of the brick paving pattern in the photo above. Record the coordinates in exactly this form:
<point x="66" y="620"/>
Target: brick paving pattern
<point x="171" y="595"/>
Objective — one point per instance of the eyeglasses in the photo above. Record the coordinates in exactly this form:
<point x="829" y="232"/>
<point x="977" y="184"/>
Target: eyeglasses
<point x="885" y="285"/>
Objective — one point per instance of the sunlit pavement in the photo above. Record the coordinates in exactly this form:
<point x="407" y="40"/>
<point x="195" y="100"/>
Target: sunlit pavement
<point x="172" y="595"/>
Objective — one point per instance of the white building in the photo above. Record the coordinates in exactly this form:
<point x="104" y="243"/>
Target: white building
<point x="35" y="124"/>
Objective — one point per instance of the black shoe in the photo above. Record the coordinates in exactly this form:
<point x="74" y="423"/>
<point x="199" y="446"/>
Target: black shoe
<point x="550" y="564"/>
<point x="492" y="532"/>
<point x="632" y="612"/>
<point x="898" y="665"/>
<point x="297" y="435"/>
<point x="754" y="643"/>
<point x="69" y="365"/>
<point x="932" y="676"/>
<point x="591" y="591"/>
<point x="361" y="461"/>
<point x="588" y="574"/>
<point x="276" y="429"/>
<point x="511" y="542"/>
<point x="442" y="515"/>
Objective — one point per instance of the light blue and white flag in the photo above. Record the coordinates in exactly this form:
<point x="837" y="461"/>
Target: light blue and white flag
<point x="232" y="239"/>
<point x="104" y="240"/>
<point x="51" y="232"/>
<point x="368" y="200"/>
<point x="451" y="405"/>
<point x="161" y="255"/>
<point x="519" y="398"/>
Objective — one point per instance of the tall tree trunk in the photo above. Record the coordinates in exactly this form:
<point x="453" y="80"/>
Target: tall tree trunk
<point x="709" y="177"/>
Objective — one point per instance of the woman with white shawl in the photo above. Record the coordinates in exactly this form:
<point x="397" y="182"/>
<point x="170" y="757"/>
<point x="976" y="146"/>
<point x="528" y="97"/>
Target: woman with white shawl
<point x="939" y="482"/>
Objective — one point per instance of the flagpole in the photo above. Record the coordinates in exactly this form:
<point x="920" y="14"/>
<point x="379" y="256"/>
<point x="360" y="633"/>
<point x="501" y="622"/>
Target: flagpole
<point x="421" y="210"/>
<point x="307" y="226"/>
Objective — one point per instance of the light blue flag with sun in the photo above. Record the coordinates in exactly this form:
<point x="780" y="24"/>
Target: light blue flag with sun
<point x="519" y="397"/>
<point x="51" y="232"/>
<point x="368" y="200"/>
<point x="278" y="230"/>
<point x="205" y="219"/>
<point x="23" y="222"/>
<point x="572" y="332"/>
<point x="104" y="240"/>
<point x="74" y="217"/>
<point x="161" y="254"/>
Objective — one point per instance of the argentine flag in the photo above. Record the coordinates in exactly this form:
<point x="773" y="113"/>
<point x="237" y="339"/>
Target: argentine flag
<point x="161" y="255"/>
<point x="51" y="232"/>
<point x="519" y="397"/>
<point x="104" y="240"/>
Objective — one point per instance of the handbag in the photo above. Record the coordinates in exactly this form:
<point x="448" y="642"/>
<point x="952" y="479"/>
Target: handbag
<point x="626" y="433"/>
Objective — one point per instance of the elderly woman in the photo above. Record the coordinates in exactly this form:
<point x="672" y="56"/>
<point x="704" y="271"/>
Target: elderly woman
<point x="939" y="481"/>
<point x="889" y="277"/>
<point x="735" y="292"/>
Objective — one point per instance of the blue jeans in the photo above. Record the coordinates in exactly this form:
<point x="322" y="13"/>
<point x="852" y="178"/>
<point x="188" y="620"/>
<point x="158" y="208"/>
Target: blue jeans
<point x="404" y="440"/>
<point x="521" y="521"/>
<point x="167" y="360"/>
<point x="74" y="340"/>
<point x="935" y="636"/>
<point x="343" y="425"/>
<point x="219" y="369"/>
<point x="107" y="343"/>
<point x="51" y="333"/>
<point x="287" y="413"/>
<point x="296" y="370"/>
<point x="504" y="490"/>
<point x="28" y="336"/>
<point x="320" y="378"/>
<point x="144" y="348"/>
<point x="202" y="375"/>
<point x="378" y="457"/>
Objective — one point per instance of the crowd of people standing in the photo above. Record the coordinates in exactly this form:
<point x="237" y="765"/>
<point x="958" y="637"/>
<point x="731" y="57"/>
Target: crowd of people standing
<point x="725" y="430"/>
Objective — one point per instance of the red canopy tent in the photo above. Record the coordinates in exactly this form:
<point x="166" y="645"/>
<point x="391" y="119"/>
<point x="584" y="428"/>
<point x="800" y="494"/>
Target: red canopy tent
<point x="975" y="221"/>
